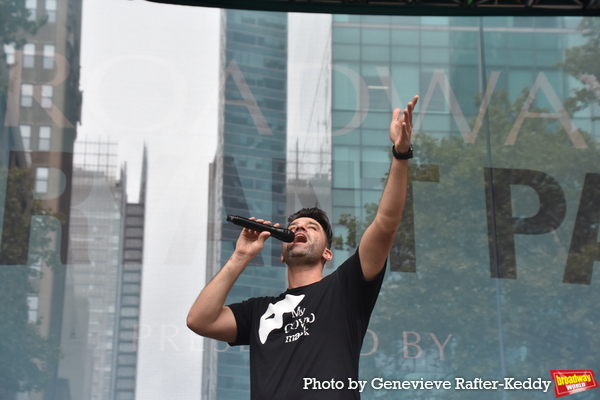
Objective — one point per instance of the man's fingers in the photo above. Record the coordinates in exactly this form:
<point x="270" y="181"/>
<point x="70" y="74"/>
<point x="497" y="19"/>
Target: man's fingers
<point x="263" y="236"/>
<point x="408" y="119"/>
<point x="413" y="103"/>
<point x="411" y="108"/>
<point x="262" y="221"/>
<point x="396" y="114"/>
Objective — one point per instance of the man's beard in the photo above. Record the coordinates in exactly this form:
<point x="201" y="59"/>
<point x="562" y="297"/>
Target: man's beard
<point x="297" y="256"/>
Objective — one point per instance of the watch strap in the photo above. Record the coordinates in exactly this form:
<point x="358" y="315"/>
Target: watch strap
<point x="402" y="156"/>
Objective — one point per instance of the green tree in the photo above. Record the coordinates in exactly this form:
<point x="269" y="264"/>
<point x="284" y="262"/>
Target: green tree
<point x="15" y="22"/>
<point x="583" y="63"/>
<point x="543" y="323"/>
<point x="15" y="26"/>
<point x="24" y="352"/>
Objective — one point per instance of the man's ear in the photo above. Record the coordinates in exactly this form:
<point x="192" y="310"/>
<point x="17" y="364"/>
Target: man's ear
<point x="327" y="255"/>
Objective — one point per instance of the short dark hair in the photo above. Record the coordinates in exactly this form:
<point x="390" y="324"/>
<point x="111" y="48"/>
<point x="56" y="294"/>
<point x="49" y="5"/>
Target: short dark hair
<point x="318" y="215"/>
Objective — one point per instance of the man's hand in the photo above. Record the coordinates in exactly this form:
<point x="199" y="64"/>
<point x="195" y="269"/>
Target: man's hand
<point x="401" y="126"/>
<point x="250" y="242"/>
<point x="209" y="316"/>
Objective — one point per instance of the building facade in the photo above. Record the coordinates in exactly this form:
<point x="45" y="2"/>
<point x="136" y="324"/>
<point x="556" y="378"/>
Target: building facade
<point x="495" y="107"/>
<point x="99" y="333"/>
<point x="129" y="290"/>
<point x="98" y="205"/>
<point x="502" y="155"/>
<point x="248" y="176"/>
<point x="41" y="104"/>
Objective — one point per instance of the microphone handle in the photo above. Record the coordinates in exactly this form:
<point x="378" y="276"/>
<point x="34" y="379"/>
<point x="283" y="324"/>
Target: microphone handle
<point x="285" y="235"/>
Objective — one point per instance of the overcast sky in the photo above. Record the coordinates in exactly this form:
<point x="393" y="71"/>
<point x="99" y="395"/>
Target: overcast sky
<point x="149" y="75"/>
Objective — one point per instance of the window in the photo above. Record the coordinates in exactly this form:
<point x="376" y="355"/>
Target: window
<point x="126" y="371"/>
<point x="31" y="5"/>
<point x="26" y="136"/>
<point x="44" y="138"/>
<point x="9" y="51"/>
<point x="129" y="312"/>
<point x="125" y="396"/>
<point x="29" y="55"/>
<point x="41" y="179"/>
<point x="130" y="300"/>
<point x="46" y="96"/>
<point x="437" y="102"/>
<point x="127" y="359"/>
<point x="26" y="95"/>
<point x="48" y="62"/>
<point x="33" y="304"/>
<point x="128" y="324"/>
<point x="51" y="10"/>
<point x="132" y="277"/>
<point x="131" y="288"/>
<point x="126" y="335"/>
<point x="125" y="384"/>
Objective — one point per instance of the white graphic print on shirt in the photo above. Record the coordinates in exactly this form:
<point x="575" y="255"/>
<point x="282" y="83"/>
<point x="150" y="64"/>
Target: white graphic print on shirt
<point x="299" y="323"/>
<point x="273" y="318"/>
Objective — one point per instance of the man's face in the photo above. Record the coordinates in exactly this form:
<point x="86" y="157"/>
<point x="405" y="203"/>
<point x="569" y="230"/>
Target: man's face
<point x="309" y="245"/>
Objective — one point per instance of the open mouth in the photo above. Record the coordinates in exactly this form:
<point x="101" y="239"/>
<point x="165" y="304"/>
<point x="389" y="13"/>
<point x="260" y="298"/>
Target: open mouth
<point x="300" y="238"/>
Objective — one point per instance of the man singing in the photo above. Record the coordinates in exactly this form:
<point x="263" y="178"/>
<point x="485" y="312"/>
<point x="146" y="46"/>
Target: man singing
<point x="313" y="332"/>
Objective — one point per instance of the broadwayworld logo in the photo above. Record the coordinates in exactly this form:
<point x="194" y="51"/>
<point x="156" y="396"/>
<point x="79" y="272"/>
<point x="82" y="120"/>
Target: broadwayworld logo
<point x="567" y="382"/>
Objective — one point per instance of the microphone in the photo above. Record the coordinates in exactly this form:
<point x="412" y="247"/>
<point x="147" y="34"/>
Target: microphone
<point x="285" y="235"/>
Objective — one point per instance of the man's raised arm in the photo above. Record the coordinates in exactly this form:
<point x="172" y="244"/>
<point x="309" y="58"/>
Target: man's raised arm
<point x="379" y="236"/>
<point x="209" y="316"/>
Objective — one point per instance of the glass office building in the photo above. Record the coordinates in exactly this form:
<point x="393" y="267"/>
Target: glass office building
<point x="496" y="237"/>
<point x="248" y="174"/>
<point x="503" y="171"/>
<point x="380" y="62"/>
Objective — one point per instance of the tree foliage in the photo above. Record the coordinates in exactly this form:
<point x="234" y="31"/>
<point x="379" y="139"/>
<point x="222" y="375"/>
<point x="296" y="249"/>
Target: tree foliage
<point x="15" y="22"/>
<point x="583" y="63"/>
<point x="530" y="324"/>
<point x="15" y="26"/>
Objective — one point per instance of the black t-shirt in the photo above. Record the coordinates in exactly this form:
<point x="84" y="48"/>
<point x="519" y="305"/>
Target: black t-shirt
<point x="314" y="331"/>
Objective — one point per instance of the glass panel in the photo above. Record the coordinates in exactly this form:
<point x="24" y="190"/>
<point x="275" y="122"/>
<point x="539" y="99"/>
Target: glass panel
<point x="47" y="92"/>
<point x="26" y="95"/>
<point x="25" y="131"/>
<point x="44" y="138"/>
<point x="48" y="62"/>
<point x="29" y="55"/>
<point x="491" y="270"/>
<point x="41" y="179"/>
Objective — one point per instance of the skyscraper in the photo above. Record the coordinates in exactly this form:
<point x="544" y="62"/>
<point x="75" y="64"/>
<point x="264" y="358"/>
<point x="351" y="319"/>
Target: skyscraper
<point x="98" y="204"/>
<point x="128" y="301"/>
<point x="103" y="277"/>
<point x="248" y="176"/>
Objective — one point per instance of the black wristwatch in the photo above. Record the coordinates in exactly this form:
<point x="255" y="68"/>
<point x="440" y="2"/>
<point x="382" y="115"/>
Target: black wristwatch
<point x="402" y="156"/>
